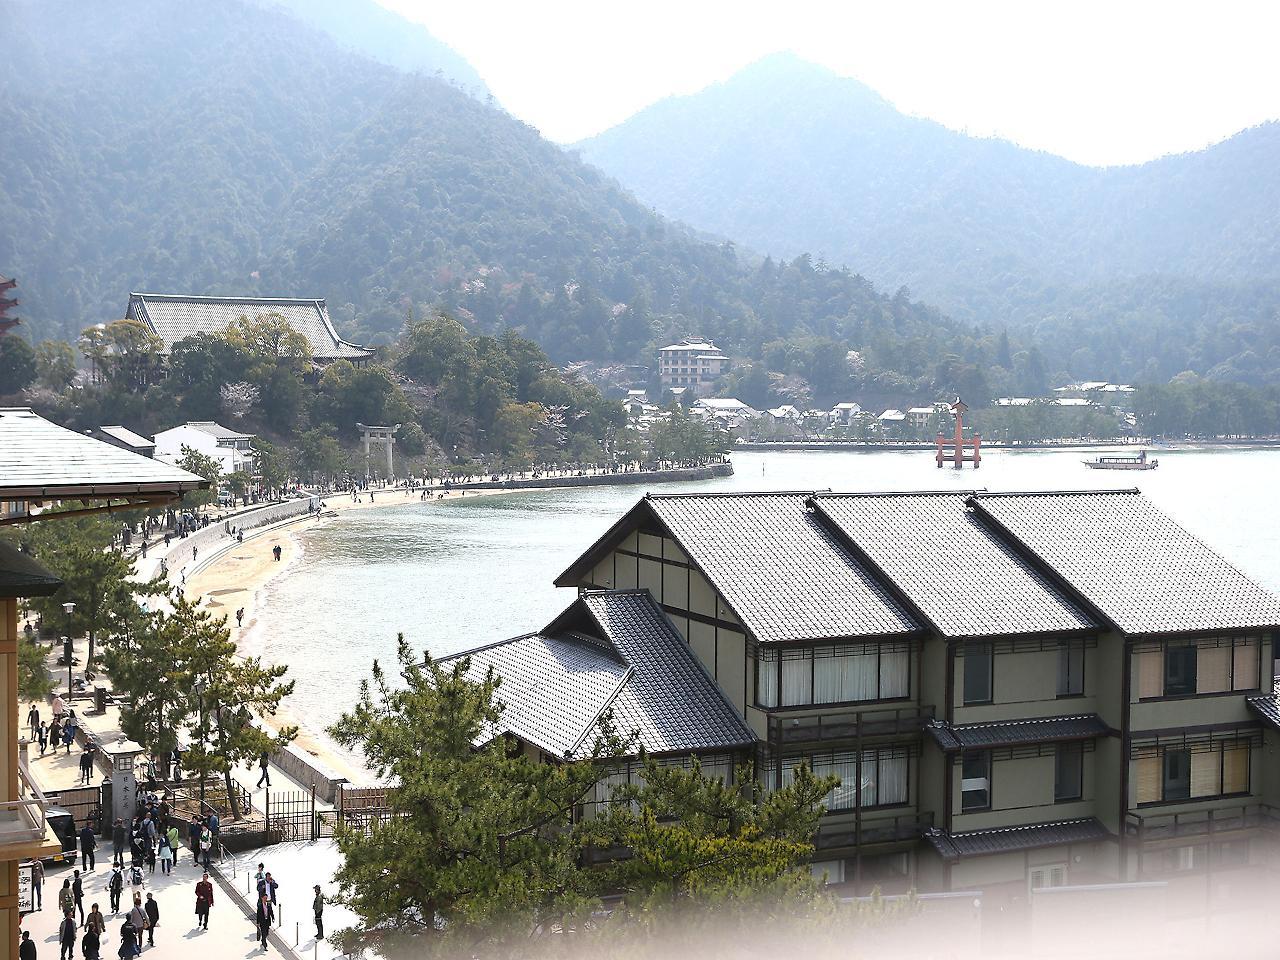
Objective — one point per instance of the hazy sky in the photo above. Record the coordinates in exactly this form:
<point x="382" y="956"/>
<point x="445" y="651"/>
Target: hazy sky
<point x="1099" y="82"/>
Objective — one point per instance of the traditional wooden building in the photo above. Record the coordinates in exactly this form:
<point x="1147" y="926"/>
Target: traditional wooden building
<point x="173" y="317"/>
<point x="1015" y="689"/>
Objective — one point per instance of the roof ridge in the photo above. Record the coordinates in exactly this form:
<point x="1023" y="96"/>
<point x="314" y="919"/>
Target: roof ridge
<point x="734" y="493"/>
<point x="485" y="646"/>
<point x="225" y="299"/>
<point x="1026" y="826"/>
<point x="1057" y="493"/>
<point x="850" y="494"/>
<point x="608" y="702"/>
<point x="1008" y="723"/>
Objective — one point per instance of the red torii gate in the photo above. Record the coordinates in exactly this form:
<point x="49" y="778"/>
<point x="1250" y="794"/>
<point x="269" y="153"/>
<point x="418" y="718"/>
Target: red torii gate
<point x="953" y="449"/>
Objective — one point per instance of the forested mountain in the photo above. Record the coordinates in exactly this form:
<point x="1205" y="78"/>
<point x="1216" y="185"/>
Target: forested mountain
<point x="1177" y="258"/>
<point x="229" y="148"/>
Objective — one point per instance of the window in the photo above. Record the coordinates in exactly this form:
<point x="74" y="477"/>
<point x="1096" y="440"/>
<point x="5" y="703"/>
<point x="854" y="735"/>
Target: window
<point x="877" y="779"/>
<point x="1071" y="669"/>
<point x="975" y="782"/>
<point x="1179" y="670"/>
<point x="1050" y="875"/>
<point x="1068" y="772"/>
<point x="846" y="673"/>
<point x="977" y="673"/>
<point x="1185" y="668"/>
<point x="1177" y="775"/>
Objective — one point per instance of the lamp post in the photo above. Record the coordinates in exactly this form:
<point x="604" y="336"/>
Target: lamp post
<point x="69" y="608"/>
<point x="201" y="686"/>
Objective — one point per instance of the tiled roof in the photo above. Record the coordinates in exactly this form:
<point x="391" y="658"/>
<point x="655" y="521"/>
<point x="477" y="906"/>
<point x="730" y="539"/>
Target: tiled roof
<point x="980" y="736"/>
<point x="127" y="436"/>
<point x="21" y="576"/>
<point x="609" y="650"/>
<point x="1145" y="573"/>
<point x="783" y="572"/>
<point x="173" y="317"/>
<point x="668" y="697"/>
<point x="1267" y="707"/>
<point x="217" y="430"/>
<point x="40" y="459"/>
<point x="954" y="569"/>
<point x="977" y="843"/>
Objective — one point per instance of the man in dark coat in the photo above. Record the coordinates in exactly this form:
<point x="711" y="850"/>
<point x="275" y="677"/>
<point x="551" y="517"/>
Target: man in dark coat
<point x="27" y="951"/>
<point x="264" y="918"/>
<point x="119" y="837"/>
<point x="153" y="917"/>
<point x="88" y="844"/>
<point x="204" y="901"/>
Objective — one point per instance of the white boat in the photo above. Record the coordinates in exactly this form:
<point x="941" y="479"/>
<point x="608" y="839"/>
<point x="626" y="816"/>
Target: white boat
<point x="1140" y="462"/>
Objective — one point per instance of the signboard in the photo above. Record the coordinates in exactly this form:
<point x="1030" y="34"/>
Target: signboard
<point x="26" y="901"/>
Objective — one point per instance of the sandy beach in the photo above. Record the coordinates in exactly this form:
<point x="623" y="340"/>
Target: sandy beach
<point x="236" y="578"/>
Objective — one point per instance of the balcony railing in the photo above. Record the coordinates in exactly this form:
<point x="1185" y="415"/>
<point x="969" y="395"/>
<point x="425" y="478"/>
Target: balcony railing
<point x="905" y="826"/>
<point x="1201" y="823"/>
<point x="23" y="820"/>
<point x="847" y="724"/>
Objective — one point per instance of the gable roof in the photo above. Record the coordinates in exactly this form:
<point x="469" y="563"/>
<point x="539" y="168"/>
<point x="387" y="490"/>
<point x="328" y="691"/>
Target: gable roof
<point x="1142" y="571"/>
<point x="955" y="570"/>
<point x="609" y="650"/>
<point x="39" y="459"/>
<point x="172" y="317"/>
<point x="212" y="429"/>
<point x="128" y="437"/>
<point x="764" y="552"/>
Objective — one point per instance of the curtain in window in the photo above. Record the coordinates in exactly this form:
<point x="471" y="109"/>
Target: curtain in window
<point x="1206" y="772"/>
<point x="895" y="673"/>
<point x="1150" y="773"/>
<point x="797" y="678"/>
<point x="1245" y="663"/>
<point x="1150" y="675"/>
<point x="828" y="676"/>
<point x="1235" y="769"/>
<point x="767" y="679"/>
<point x="1213" y="669"/>
<point x="844" y="766"/>
<point x="891" y="774"/>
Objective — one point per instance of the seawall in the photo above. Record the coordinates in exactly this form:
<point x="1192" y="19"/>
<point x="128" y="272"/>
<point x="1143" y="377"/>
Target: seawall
<point x="708" y="472"/>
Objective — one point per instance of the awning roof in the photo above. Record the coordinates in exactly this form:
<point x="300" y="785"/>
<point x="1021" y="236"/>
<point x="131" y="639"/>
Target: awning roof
<point x="21" y="576"/>
<point x="982" y="736"/>
<point x="41" y="460"/>
<point x="979" y="843"/>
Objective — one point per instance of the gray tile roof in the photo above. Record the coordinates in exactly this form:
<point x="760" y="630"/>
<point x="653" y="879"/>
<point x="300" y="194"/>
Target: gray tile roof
<point x="956" y="571"/>
<point x="128" y="437"/>
<point x="1145" y="573"/>
<point x="781" y="569"/>
<point x="977" y="843"/>
<point x="1267" y="708"/>
<point x="21" y="576"/>
<point x="173" y="317"/>
<point x="980" y="736"/>
<point x="40" y="459"/>
<point x="669" y="698"/>
<point x="217" y="430"/>
<point x="611" y="650"/>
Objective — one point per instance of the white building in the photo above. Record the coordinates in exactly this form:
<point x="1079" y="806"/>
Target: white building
<point x="693" y="362"/>
<point x="919" y="417"/>
<point x="843" y="414"/>
<point x="233" y="450"/>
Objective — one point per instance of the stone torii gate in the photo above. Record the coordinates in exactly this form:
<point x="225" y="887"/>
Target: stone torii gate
<point x="383" y="435"/>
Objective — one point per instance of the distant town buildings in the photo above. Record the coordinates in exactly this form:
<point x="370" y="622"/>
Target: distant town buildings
<point x="693" y="363"/>
<point x="232" y="449"/>
<point x="171" y="317"/>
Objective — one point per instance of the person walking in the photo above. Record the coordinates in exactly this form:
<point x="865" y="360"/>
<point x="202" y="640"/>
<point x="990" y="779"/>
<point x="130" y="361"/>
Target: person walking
<point x="69" y="731"/>
<point x="152" y="910"/>
<point x="267" y="886"/>
<point x="264" y="919"/>
<point x="206" y="845"/>
<point x="264" y="762"/>
<point x="27" y="949"/>
<point x="33" y="721"/>
<point x="317" y="907"/>
<point x="91" y="945"/>
<point x="42" y="734"/>
<point x="175" y="841"/>
<point x="193" y="838"/>
<point x="67" y="930"/>
<point x="96" y="921"/>
<point x="66" y="899"/>
<point x="240" y="617"/>
<point x="119" y="836"/>
<point x="129" y="946"/>
<point x="37" y="883"/>
<point x="88" y="844"/>
<point x="55" y="736"/>
<point x="77" y="893"/>
<point x="86" y="764"/>
<point x="204" y="901"/>
<point x="138" y="916"/>
<point x="115" y="886"/>
<point x="166" y="852"/>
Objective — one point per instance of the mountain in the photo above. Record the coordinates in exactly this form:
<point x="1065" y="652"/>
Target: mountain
<point x="366" y="27"/>
<point x="232" y="149"/>
<point x="786" y="156"/>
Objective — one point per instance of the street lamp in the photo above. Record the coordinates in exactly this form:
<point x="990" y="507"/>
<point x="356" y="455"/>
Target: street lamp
<point x="201" y="686"/>
<point x="68" y="608"/>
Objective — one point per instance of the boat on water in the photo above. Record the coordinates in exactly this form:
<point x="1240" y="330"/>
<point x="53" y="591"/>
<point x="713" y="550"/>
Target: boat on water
<point x="1140" y="462"/>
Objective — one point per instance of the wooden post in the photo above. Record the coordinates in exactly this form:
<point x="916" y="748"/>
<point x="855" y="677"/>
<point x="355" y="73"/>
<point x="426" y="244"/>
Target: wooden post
<point x="977" y="452"/>
<point x="313" y="812"/>
<point x="940" y="440"/>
